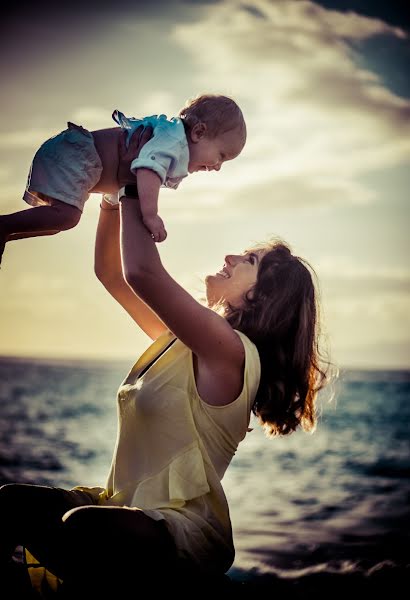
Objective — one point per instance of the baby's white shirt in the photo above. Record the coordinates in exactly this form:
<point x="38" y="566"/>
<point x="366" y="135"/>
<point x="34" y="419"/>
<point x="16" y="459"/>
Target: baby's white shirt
<point x="166" y="153"/>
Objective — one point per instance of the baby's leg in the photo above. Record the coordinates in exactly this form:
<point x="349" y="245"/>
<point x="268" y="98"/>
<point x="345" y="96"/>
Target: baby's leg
<point x="59" y="216"/>
<point x="21" y="236"/>
<point x="38" y="221"/>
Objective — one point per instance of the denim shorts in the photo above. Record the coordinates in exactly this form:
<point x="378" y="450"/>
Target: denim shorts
<point x="66" y="167"/>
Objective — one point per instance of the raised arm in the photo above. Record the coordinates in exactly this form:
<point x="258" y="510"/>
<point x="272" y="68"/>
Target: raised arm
<point x="208" y="335"/>
<point x="108" y="267"/>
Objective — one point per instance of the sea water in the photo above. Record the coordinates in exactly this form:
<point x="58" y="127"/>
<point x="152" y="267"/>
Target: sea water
<point x="333" y="503"/>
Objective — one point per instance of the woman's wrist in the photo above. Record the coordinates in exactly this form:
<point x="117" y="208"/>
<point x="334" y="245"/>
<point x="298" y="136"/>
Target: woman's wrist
<point x="104" y="205"/>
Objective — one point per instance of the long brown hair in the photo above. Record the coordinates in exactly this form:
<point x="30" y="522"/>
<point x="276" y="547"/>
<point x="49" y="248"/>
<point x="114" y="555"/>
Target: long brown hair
<point x="281" y="316"/>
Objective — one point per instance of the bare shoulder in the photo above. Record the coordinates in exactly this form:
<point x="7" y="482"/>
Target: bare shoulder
<point x="219" y="380"/>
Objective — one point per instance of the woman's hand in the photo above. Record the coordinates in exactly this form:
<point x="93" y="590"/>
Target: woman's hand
<point x="127" y="153"/>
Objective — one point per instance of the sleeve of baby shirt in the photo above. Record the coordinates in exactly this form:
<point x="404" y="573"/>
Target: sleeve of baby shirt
<point x="158" y="154"/>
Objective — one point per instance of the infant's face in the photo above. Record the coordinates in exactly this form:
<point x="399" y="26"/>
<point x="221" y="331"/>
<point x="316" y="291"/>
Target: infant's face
<point x="208" y="153"/>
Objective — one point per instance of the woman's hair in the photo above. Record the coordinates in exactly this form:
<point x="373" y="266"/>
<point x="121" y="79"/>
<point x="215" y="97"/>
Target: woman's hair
<point x="281" y="316"/>
<point x="219" y="113"/>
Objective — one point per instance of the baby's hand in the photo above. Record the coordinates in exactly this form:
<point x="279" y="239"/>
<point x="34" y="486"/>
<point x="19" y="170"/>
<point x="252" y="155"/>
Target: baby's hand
<point x="155" y="226"/>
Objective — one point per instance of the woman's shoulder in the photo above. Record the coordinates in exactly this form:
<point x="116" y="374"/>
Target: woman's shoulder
<point x="252" y="367"/>
<point x="216" y="380"/>
<point x="250" y="347"/>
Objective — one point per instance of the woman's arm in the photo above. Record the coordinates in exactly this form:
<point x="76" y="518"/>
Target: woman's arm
<point x="208" y="334"/>
<point x="108" y="267"/>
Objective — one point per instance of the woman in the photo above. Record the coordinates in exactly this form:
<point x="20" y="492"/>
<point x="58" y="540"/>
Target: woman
<point x="183" y="409"/>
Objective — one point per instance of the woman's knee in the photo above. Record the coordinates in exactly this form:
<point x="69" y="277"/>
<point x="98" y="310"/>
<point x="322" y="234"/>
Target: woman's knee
<point x="12" y="502"/>
<point x="130" y="541"/>
<point x="131" y="528"/>
<point x="84" y="522"/>
<point x="91" y="520"/>
<point x="10" y="495"/>
<point x="37" y="499"/>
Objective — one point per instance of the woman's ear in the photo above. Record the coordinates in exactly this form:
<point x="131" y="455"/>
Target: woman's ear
<point x="198" y="131"/>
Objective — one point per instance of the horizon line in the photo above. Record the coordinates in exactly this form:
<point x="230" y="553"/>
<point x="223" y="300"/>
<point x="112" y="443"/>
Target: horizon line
<point x="77" y="359"/>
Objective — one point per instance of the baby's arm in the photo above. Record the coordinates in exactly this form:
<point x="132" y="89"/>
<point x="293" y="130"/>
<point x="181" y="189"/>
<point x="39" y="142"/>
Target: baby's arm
<point x="149" y="184"/>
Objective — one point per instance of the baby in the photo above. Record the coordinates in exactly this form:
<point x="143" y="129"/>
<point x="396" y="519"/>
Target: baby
<point x="69" y="166"/>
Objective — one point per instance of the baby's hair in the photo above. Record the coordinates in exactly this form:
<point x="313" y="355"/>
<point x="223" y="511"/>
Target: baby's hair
<point x="219" y="113"/>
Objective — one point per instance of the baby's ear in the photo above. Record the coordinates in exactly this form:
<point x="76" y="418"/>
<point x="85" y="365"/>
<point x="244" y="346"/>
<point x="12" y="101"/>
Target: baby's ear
<point x="198" y="131"/>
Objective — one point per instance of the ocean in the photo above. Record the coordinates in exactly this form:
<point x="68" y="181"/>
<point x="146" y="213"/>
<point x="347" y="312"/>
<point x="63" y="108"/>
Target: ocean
<point x="312" y="514"/>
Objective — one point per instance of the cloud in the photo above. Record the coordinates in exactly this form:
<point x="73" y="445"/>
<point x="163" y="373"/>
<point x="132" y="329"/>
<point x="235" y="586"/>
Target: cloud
<point x="317" y="121"/>
<point x="287" y="29"/>
<point x="344" y="277"/>
<point x="55" y="302"/>
<point x="311" y="109"/>
<point x="368" y="326"/>
<point x="93" y="117"/>
<point x="202" y="200"/>
<point x="157" y="102"/>
<point x="371" y="320"/>
<point x="25" y="138"/>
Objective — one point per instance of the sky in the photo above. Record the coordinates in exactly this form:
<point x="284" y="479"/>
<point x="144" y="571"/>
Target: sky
<point x="325" y="90"/>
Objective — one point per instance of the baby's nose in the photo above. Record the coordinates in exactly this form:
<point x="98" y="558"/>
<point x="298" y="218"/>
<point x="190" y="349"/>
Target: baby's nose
<point x="217" y="167"/>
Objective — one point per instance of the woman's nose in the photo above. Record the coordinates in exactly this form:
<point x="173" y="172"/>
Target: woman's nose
<point x="231" y="259"/>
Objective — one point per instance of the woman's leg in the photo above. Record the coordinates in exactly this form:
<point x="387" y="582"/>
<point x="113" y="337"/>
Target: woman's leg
<point x="89" y="547"/>
<point x="114" y="549"/>
<point x="31" y="515"/>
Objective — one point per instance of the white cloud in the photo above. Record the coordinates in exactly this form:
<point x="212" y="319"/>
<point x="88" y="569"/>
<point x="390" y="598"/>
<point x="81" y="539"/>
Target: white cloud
<point x="26" y="294"/>
<point x="288" y="28"/>
<point x="201" y="200"/>
<point x="311" y="110"/>
<point x="157" y="102"/>
<point x="25" y="138"/>
<point x="372" y="320"/>
<point x="344" y="267"/>
<point x="92" y="117"/>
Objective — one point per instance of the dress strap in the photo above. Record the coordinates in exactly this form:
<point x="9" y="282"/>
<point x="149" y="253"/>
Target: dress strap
<point x="149" y="365"/>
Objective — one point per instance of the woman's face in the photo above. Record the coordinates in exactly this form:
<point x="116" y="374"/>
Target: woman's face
<point x="237" y="276"/>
